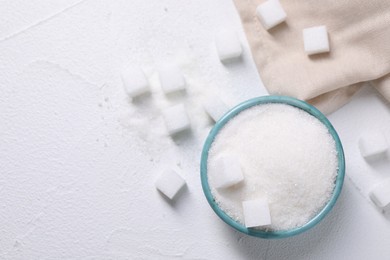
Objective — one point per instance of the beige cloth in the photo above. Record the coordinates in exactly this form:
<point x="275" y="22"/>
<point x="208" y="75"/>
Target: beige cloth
<point x="359" y="35"/>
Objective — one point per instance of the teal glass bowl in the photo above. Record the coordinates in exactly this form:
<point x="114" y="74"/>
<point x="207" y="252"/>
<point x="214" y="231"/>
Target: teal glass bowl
<point x="235" y="111"/>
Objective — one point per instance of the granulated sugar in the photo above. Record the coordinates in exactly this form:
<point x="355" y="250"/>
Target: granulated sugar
<point x="286" y="155"/>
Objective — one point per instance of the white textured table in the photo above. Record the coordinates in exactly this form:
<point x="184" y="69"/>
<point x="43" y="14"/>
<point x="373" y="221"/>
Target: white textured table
<point x="78" y="160"/>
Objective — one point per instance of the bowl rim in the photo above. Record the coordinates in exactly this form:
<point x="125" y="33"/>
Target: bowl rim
<point x="234" y="112"/>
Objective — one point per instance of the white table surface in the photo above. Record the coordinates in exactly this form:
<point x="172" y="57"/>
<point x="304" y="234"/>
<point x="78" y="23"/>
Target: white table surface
<point x="78" y="160"/>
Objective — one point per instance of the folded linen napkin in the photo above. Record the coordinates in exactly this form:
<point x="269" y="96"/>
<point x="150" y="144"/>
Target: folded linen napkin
<point x="359" y="35"/>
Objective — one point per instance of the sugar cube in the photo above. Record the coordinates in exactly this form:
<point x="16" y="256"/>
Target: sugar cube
<point x="229" y="172"/>
<point x="135" y="81"/>
<point x="171" y="79"/>
<point x="228" y="45"/>
<point x="271" y="13"/>
<point x="380" y="194"/>
<point x="256" y="213"/>
<point x="372" y="145"/>
<point x="315" y="40"/>
<point x="215" y="107"/>
<point x="170" y="183"/>
<point x="176" y="119"/>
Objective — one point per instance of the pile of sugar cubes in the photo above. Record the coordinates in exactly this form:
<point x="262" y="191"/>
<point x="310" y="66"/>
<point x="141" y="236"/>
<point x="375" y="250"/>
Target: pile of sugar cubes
<point x="373" y="146"/>
<point x="315" y="39"/>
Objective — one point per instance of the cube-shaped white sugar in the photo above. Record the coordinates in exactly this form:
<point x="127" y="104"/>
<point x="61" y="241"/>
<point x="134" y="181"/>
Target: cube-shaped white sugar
<point x="176" y="119"/>
<point x="256" y="213"/>
<point x="215" y="107"/>
<point x="135" y="81"/>
<point x="228" y="45"/>
<point x="380" y="194"/>
<point x="170" y="183"/>
<point x="315" y="40"/>
<point x="229" y="172"/>
<point x="171" y="79"/>
<point x="271" y="13"/>
<point x="373" y="145"/>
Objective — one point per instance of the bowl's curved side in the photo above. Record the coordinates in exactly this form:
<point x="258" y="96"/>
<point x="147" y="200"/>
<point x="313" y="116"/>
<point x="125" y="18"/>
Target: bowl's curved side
<point x="235" y="111"/>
